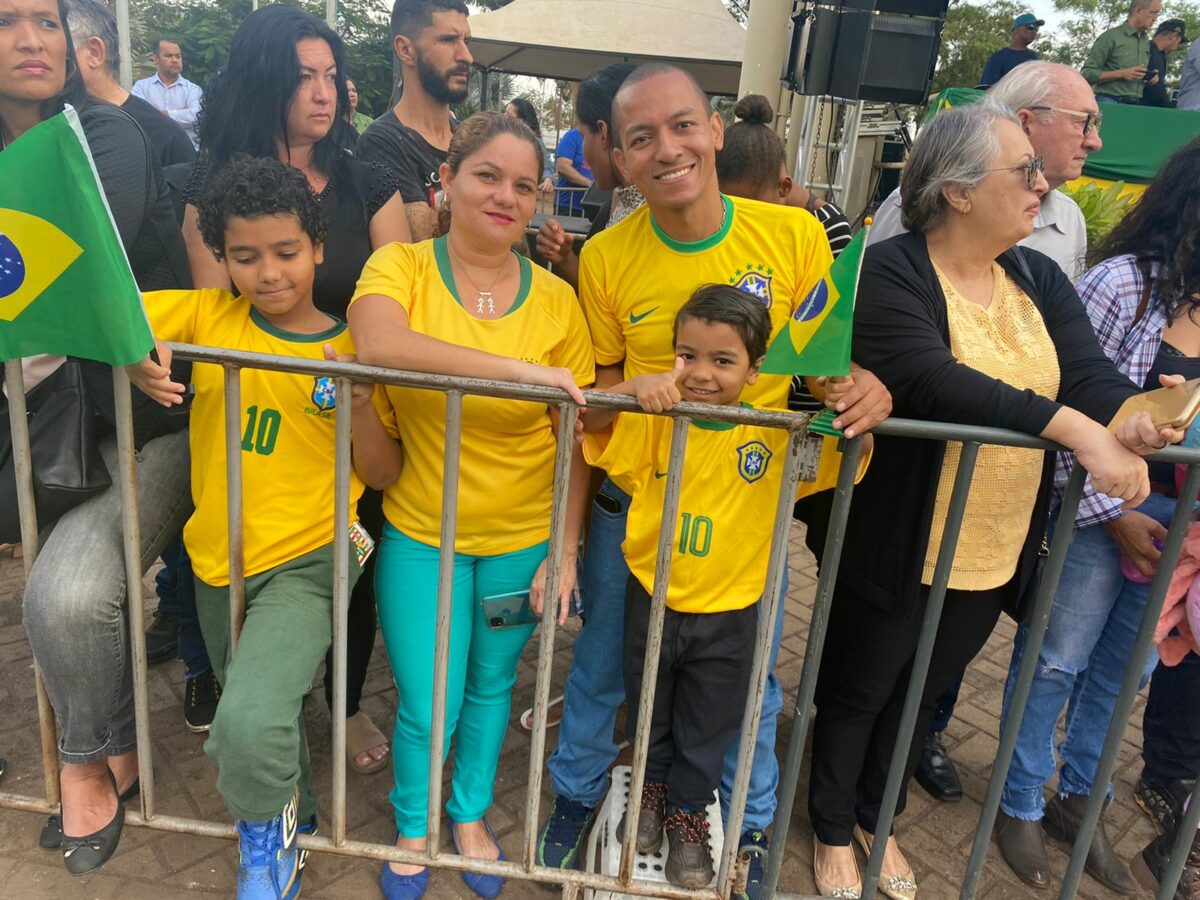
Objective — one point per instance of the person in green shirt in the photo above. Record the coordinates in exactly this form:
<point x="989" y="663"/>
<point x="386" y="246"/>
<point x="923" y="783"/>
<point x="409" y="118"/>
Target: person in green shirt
<point x="1117" y="61"/>
<point x="359" y="120"/>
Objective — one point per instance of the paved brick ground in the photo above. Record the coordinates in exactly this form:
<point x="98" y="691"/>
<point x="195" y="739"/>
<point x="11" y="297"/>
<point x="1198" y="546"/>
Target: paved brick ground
<point x="154" y="864"/>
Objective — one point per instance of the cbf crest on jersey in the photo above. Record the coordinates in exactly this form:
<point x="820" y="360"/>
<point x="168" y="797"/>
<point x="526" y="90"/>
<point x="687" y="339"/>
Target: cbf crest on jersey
<point x="324" y="393"/>
<point x="752" y="460"/>
<point x="755" y="280"/>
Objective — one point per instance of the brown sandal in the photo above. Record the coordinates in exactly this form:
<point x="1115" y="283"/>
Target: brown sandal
<point x="361" y="736"/>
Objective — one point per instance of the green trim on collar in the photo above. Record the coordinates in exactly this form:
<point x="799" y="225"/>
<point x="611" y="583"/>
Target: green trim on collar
<point x="441" y="254"/>
<point x="719" y="426"/>
<point x="329" y="333"/>
<point x="705" y="243"/>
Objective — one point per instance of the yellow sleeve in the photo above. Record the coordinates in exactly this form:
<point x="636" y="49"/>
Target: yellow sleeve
<point x="830" y="464"/>
<point x="607" y="337"/>
<point x="385" y="411"/>
<point x="390" y="271"/>
<point x="813" y="256"/>
<point x="178" y="316"/>
<point x="575" y="351"/>
<point x="623" y="451"/>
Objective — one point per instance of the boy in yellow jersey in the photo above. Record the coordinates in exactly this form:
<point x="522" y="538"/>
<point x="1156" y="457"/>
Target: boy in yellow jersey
<point x="261" y="218"/>
<point x="633" y="280"/>
<point x="731" y="483"/>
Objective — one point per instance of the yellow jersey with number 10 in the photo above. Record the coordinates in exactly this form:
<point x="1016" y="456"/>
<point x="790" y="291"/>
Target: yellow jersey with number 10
<point x="287" y="434"/>
<point x="732" y="475"/>
<point x="634" y="278"/>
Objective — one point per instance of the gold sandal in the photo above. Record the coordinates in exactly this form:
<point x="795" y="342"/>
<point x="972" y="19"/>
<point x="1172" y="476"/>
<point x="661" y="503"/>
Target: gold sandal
<point x="846" y="891"/>
<point x="897" y="887"/>
<point x="361" y="736"/>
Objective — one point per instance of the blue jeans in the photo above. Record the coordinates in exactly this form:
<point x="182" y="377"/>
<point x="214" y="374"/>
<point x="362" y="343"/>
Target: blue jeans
<point x="176" y="588"/>
<point x="595" y="685"/>
<point x="1087" y="648"/>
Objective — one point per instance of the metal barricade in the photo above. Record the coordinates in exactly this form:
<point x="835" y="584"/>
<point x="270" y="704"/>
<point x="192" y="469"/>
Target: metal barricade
<point x="801" y="461"/>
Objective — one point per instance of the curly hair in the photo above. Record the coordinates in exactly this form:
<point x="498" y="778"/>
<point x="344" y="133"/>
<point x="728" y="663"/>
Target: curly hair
<point x="1164" y="228"/>
<point x="250" y="187"/>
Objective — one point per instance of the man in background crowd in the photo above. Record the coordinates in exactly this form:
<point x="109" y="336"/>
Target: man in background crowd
<point x="1189" y="83"/>
<point x="430" y="38"/>
<point x="1117" y="61"/>
<point x="1024" y="32"/>
<point x="1169" y="37"/>
<point x="168" y="91"/>
<point x="574" y="176"/>
<point x="94" y="32"/>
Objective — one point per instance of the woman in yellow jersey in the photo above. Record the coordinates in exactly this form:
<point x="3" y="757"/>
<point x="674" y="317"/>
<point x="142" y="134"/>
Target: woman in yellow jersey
<point x="466" y="304"/>
<point x="962" y="326"/>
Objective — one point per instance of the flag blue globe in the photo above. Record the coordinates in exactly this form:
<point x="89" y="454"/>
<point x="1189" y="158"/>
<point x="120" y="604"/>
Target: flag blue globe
<point x="12" y="267"/>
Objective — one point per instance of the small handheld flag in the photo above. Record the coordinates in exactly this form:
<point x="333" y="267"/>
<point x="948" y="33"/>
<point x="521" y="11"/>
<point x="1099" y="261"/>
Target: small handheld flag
<point x="65" y="283"/>
<point x="816" y="339"/>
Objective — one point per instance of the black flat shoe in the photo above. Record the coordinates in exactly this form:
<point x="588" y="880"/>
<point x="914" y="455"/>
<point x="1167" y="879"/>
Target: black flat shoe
<point x="52" y="834"/>
<point x="84" y="855"/>
<point x="936" y="772"/>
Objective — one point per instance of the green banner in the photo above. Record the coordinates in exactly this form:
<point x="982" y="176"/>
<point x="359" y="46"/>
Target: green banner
<point x="65" y="284"/>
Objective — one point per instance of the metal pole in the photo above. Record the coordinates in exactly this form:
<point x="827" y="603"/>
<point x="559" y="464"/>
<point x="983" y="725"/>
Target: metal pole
<point x="831" y="559"/>
<point x="1038" y="620"/>
<point x="131" y="532"/>
<point x="331" y="13"/>
<point x="920" y="663"/>
<point x="768" y="609"/>
<point x="233" y="495"/>
<point x="1129" y="684"/>
<point x="567" y="414"/>
<point x="18" y="422"/>
<point x="441" y="652"/>
<point x="123" y="43"/>
<point x="341" y="599"/>
<point x="658" y="606"/>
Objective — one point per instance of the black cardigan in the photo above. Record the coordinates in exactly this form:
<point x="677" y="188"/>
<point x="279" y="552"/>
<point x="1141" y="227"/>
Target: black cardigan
<point x="901" y="333"/>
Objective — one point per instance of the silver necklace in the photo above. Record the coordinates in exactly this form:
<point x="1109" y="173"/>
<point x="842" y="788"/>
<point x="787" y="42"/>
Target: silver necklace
<point x="485" y="298"/>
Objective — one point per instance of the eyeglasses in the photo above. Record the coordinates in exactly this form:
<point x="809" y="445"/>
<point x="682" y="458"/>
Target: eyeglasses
<point x="1032" y="170"/>
<point x="1091" y="121"/>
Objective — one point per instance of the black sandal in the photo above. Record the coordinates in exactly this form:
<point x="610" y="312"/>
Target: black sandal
<point x="84" y="855"/>
<point x="51" y="837"/>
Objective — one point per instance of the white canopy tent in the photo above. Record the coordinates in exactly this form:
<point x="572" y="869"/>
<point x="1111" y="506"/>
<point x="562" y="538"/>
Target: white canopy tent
<point x="571" y="39"/>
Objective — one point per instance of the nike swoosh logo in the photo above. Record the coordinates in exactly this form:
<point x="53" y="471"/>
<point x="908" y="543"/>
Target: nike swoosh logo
<point x="660" y="474"/>
<point x="634" y="319"/>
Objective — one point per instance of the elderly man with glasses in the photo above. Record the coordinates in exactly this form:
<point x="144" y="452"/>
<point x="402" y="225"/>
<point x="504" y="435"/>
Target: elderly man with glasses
<point x="1024" y="32"/>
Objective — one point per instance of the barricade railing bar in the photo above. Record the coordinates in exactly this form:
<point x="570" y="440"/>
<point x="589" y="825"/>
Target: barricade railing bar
<point x="800" y="464"/>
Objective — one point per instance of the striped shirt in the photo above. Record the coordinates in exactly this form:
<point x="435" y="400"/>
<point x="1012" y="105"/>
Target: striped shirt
<point x="1111" y="292"/>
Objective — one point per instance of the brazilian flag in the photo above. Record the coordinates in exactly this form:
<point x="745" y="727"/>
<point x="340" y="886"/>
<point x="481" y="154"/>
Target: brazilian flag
<point x="816" y="339"/>
<point x="65" y="284"/>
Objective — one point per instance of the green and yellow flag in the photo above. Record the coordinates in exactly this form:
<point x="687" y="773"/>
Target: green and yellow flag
<point x="816" y="339"/>
<point x="65" y="283"/>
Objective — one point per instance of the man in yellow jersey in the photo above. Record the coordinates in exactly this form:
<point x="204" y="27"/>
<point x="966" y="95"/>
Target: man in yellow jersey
<point x="633" y="280"/>
<point x="263" y="221"/>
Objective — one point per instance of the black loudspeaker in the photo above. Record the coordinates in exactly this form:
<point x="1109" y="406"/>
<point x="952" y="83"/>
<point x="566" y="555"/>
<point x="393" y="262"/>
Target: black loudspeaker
<point x="860" y="55"/>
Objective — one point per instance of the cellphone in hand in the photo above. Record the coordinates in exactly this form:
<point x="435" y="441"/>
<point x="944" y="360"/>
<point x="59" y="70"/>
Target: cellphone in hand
<point x="1169" y="407"/>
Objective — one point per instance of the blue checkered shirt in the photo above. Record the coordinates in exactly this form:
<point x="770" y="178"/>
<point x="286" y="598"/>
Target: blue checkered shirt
<point x="1111" y="292"/>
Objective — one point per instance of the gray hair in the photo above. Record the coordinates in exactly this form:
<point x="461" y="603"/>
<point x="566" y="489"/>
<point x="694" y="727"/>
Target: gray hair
<point x="93" y="19"/>
<point x="1135" y="5"/>
<point x="1032" y="84"/>
<point x="956" y="149"/>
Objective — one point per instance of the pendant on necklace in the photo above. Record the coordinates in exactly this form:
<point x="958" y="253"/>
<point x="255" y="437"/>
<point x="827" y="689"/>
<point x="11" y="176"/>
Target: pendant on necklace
<point x="486" y="297"/>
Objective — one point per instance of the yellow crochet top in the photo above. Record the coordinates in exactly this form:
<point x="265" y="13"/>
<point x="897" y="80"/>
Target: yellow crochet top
<point x="1009" y="342"/>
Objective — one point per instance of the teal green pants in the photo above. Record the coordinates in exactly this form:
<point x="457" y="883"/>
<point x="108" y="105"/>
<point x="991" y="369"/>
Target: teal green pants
<point x="257" y="738"/>
<point x="481" y="672"/>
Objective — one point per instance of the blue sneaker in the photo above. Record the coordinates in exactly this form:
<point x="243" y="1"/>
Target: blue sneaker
<point x="268" y="860"/>
<point x="754" y="845"/>
<point x="486" y="886"/>
<point x="306" y="827"/>
<point x="562" y="835"/>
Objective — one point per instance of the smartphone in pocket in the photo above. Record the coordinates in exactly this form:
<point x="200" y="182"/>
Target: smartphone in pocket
<point x="509" y="610"/>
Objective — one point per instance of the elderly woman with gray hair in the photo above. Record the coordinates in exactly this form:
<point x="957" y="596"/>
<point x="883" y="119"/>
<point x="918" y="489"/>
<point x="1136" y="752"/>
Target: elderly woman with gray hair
<point x="962" y="326"/>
